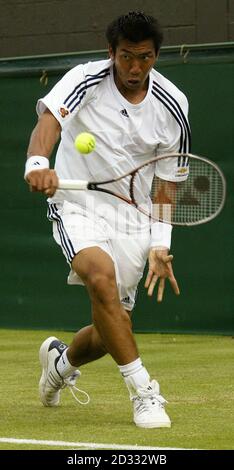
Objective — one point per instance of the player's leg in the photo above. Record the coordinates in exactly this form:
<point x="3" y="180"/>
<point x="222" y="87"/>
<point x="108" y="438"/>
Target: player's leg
<point x="86" y="346"/>
<point x="71" y="230"/>
<point x="148" y="404"/>
<point x="111" y="331"/>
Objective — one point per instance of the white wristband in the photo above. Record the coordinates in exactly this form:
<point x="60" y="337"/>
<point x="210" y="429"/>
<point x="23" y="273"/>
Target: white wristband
<point x="35" y="163"/>
<point x="161" y="235"/>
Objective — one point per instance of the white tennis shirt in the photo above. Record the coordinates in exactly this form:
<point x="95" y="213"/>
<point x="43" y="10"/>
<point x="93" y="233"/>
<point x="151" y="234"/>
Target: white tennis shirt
<point x="86" y="99"/>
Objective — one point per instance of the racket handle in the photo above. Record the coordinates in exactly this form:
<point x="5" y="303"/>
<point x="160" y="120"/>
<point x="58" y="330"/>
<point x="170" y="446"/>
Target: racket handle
<point x="73" y="184"/>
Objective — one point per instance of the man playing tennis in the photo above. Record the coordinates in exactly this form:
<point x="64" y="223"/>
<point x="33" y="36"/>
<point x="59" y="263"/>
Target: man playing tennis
<point x="134" y="113"/>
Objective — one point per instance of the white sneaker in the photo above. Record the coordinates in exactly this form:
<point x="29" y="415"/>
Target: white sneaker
<point x="149" y="409"/>
<point x="51" y="382"/>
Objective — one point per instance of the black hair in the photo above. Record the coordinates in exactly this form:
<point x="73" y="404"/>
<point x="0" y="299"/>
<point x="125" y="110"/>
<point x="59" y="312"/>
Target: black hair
<point x="136" y="26"/>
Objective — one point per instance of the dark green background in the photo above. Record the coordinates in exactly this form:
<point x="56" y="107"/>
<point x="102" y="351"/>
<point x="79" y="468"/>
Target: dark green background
<point x="33" y="271"/>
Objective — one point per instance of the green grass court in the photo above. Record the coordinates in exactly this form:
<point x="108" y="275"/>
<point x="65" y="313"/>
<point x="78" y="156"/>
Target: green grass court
<point x="196" y="377"/>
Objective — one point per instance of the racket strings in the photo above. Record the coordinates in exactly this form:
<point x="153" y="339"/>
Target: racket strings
<point x="198" y="198"/>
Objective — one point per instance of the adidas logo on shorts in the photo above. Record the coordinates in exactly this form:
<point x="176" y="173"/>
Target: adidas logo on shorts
<point x="126" y="300"/>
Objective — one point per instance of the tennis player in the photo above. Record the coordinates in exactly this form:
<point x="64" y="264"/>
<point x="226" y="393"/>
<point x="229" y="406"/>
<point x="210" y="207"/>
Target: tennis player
<point x="134" y="113"/>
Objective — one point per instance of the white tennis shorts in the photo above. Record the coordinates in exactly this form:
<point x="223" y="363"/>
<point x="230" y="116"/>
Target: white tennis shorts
<point x="75" y="229"/>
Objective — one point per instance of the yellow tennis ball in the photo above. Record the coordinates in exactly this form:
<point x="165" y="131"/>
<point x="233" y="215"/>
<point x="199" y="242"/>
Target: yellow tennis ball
<point x="85" y="142"/>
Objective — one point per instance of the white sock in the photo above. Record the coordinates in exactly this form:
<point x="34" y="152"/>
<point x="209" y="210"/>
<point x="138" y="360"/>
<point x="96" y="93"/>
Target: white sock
<point x="135" y="376"/>
<point x="64" y="368"/>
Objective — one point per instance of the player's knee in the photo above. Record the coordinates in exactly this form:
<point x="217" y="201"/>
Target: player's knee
<point x="102" y="286"/>
<point x="96" y="275"/>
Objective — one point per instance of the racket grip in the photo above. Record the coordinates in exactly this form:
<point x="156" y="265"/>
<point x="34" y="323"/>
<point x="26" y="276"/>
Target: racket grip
<point x="73" y="184"/>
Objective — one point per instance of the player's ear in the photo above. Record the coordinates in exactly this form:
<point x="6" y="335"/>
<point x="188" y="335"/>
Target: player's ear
<point x="111" y="52"/>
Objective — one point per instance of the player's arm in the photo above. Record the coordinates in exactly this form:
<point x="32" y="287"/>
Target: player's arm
<point x="43" y="139"/>
<point x="164" y="199"/>
<point x="165" y="192"/>
<point x="168" y="173"/>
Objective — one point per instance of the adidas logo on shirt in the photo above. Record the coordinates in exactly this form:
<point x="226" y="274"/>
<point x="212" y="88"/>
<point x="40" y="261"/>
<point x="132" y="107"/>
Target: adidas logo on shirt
<point x="124" y="113"/>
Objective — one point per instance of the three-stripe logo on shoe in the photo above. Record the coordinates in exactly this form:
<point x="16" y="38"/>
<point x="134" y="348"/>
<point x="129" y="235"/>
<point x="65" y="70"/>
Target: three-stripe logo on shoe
<point x="63" y="360"/>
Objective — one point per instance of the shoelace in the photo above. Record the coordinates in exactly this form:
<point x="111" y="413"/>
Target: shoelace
<point x="70" y="383"/>
<point x="142" y="404"/>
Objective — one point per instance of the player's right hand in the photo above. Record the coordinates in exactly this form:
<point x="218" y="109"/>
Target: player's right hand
<point x="45" y="181"/>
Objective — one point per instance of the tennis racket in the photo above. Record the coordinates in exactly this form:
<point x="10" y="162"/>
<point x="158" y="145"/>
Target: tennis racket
<point x="194" y="200"/>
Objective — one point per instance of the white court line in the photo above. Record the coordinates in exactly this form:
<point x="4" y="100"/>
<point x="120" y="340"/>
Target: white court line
<point x="86" y="445"/>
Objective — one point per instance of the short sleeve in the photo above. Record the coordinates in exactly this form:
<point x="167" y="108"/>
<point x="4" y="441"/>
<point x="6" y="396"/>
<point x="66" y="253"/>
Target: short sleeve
<point x="66" y="97"/>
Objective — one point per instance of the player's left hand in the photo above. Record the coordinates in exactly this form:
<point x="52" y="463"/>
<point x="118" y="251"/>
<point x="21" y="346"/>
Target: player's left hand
<point x="160" y="268"/>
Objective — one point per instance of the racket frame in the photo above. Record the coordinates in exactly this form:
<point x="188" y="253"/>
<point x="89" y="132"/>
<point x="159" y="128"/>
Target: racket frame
<point x="69" y="184"/>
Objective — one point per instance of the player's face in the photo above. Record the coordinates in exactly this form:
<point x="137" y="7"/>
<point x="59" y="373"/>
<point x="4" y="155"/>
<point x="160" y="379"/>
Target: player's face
<point x="133" y="62"/>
